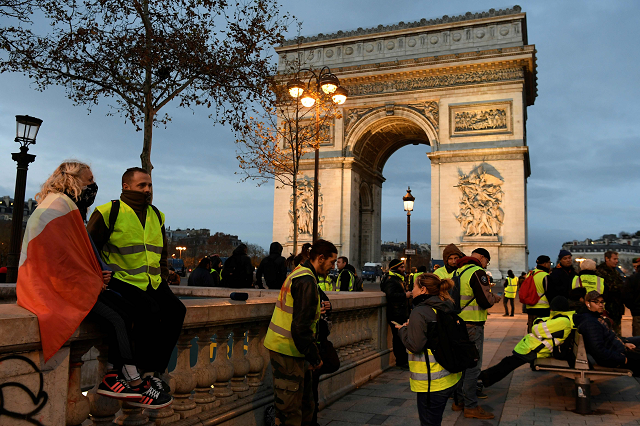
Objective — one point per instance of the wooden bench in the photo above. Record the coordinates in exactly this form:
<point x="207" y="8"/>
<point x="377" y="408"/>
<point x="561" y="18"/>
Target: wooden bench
<point x="583" y="372"/>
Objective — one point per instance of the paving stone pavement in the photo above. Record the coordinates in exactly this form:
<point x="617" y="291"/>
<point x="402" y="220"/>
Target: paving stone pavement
<point x="524" y="397"/>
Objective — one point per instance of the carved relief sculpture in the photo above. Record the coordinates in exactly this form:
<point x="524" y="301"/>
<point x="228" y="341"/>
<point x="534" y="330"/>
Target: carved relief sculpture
<point x="480" y="204"/>
<point x="305" y="209"/>
<point x="430" y="110"/>
<point x="479" y="119"/>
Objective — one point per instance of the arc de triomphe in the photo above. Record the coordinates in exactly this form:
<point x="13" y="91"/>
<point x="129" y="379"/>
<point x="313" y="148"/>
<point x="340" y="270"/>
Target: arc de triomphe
<point x="461" y="85"/>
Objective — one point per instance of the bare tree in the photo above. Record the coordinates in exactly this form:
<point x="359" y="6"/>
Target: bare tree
<point x="273" y="141"/>
<point x="143" y="54"/>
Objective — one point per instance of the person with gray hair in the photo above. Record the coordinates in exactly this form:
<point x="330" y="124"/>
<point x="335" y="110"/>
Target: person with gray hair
<point x="587" y="277"/>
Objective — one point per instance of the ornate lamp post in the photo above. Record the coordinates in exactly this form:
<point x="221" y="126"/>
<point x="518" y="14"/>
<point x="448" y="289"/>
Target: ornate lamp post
<point x="181" y="249"/>
<point x="321" y="85"/>
<point x="26" y="131"/>
<point x="408" y="207"/>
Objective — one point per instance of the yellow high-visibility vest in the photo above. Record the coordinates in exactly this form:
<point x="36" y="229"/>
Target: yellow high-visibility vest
<point x="351" y="278"/>
<point x="545" y="334"/>
<point x="443" y="274"/>
<point x="538" y="278"/>
<point x="511" y="288"/>
<point x="134" y="252"/>
<point x="325" y="283"/>
<point x="471" y="311"/>
<point x="278" y="338"/>
<point x="441" y="379"/>
<point x="588" y="281"/>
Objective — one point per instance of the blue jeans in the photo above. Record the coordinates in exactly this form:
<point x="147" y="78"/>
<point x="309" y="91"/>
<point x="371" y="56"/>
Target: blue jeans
<point x="467" y="386"/>
<point x="432" y="414"/>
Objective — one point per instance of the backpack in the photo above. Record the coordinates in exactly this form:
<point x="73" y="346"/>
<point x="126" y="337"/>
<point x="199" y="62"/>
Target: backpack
<point x="455" y="290"/>
<point x="449" y="343"/>
<point x="358" y="284"/>
<point x="529" y="292"/>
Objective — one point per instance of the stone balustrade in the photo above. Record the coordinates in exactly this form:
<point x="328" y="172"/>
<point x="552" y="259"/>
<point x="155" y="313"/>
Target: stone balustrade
<point x="234" y="386"/>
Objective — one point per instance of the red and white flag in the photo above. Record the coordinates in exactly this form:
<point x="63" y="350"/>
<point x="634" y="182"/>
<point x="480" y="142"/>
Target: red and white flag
<point x="59" y="277"/>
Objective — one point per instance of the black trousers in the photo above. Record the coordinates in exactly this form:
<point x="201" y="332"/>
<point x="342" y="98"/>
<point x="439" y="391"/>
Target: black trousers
<point x="157" y="317"/>
<point x="502" y="369"/>
<point x="110" y="314"/>
<point x="506" y="308"/>
<point x="399" y="351"/>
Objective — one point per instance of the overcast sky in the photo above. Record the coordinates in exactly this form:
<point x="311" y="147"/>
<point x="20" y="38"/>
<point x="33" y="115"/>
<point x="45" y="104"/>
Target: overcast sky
<point x="581" y="132"/>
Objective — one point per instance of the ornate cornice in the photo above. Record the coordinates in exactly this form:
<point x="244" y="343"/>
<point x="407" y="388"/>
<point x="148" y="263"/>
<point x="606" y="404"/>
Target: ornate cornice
<point x="423" y="23"/>
<point x="409" y="83"/>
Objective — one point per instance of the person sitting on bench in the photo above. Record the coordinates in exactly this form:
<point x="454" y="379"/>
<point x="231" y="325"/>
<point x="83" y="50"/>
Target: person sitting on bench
<point x="545" y="334"/>
<point x="606" y="348"/>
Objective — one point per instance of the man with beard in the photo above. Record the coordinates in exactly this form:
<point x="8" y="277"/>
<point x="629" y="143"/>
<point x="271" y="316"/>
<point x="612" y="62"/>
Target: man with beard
<point x="613" y="283"/>
<point x="450" y="255"/>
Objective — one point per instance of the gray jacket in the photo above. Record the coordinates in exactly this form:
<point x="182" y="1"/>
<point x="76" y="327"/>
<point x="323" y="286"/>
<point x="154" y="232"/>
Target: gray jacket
<point x="423" y="317"/>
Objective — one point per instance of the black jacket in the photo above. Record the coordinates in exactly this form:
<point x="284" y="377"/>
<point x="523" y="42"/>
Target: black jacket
<point x="238" y="271"/>
<point x="344" y="278"/>
<point x="273" y="268"/>
<point x="200" y="277"/>
<point x="631" y="294"/>
<point x="393" y="287"/>
<point x="414" y="336"/>
<point x="601" y="343"/>
<point x="304" y="291"/>
<point x="560" y="281"/>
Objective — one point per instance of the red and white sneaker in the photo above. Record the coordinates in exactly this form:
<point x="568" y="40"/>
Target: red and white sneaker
<point x="114" y="386"/>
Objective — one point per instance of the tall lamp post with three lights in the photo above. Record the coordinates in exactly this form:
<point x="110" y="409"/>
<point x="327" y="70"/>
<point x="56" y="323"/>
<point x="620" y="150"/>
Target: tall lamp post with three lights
<point x="320" y="86"/>
<point x="26" y="131"/>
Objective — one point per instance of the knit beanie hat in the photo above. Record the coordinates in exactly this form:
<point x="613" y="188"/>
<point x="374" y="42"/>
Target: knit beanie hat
<point x="543" y="259"/>
<point x="395" y="263"/>
<point x="482" y="252"/>
<point x="588" y="265"/>
<point x="563" y="253"/>
<point x="560" y="304"/>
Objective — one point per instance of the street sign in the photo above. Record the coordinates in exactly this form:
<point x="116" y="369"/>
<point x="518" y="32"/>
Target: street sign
<point x="410" y="251"/>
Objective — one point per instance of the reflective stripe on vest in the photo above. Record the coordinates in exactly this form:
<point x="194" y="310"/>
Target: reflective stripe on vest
<point x="540" y="340"/>
<point x="278" y="337"/>
<point x="538" y="279"/>
<point x="338" y="283"/>
<point x="511" y="288"/>
<point x="470" y="310"/>
<point x="440" y="378"/>
<point x="590" y="282"/>
<point x="133" y="251"/>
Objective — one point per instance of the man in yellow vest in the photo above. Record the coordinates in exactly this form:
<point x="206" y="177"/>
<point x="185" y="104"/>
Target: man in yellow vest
<point x="325" y="283"/>
<point x="129" y="233"/>
<point x="510" y="290"/>
<point x="475" y="299"/>
<point x="291" y="336"/>
<point x="451" y="254"/>
<point x="587" y="278"/>
<point x="346" y="276"/>
<point x="545" y="334"/>
<point x="540" y="278"/>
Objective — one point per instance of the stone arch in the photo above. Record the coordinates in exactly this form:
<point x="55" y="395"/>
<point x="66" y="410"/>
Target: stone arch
<point x="377" y="135"/>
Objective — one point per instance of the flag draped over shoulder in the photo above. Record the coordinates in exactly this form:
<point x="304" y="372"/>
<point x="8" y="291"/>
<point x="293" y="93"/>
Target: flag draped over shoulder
<point x="59" y="277"/>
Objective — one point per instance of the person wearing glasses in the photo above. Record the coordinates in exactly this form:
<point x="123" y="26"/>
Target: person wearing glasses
<point x="601" y="342"/>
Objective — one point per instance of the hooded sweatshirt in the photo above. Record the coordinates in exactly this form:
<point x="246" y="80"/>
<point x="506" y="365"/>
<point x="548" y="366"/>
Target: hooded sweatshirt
<point x="238" y="271"/>
<point x="273" y="268"/>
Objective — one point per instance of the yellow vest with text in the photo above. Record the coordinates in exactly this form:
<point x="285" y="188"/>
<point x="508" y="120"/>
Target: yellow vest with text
<point x="545" y="334"/>
<point x="351" y="278"/>
<point x="471" y="311"/>
<point x="443" y="274"/>
<point x="511" y="288"/>
<point x="278" y="338"/>
<point x="538" y="279"/>
<point x="134" y="252"/>
<point x="441" y="379"/>
<point x="325" y="283"/>
<point x="590" y="282"/>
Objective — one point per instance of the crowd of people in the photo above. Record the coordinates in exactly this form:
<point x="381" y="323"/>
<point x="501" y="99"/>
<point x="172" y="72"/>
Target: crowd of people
<point x="116" y="274"/>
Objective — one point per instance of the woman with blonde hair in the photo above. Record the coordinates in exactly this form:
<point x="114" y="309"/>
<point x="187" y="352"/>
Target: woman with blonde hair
<point x="62" y="280"/>
<point x="429" y="293"/>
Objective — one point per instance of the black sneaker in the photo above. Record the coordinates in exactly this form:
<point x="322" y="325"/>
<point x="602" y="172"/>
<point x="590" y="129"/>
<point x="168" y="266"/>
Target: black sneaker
<point x="151" y="397"/>
<point x="114" y="386"/>
<point x="158" y="384"/>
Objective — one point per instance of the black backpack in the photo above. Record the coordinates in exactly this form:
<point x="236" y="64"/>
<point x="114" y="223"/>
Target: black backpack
<point x="358" y="284"/>
<point x="449" y="343"/>
<point x="455" y="290"/>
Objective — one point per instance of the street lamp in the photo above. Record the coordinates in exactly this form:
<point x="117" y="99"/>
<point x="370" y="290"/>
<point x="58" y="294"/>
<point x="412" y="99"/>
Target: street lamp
<point x="408" y="200"/>
<point x="326" y="84"/>
<point x="180" y="249"/>
<point x="26" y="131"/>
